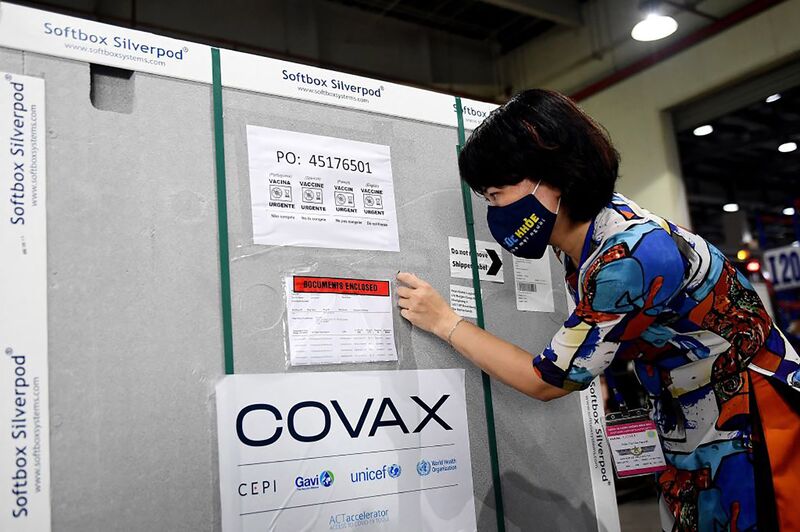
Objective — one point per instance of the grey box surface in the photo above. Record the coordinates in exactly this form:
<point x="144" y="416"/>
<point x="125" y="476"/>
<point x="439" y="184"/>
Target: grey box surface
<point x="134" y="318"/>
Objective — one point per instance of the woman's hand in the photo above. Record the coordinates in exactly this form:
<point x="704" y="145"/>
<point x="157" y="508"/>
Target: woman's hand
<point x="422" y="305"/>
<point x="426" y="309"/>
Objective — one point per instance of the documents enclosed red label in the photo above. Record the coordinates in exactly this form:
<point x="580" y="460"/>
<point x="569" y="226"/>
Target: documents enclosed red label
<point x="336" y="285"/>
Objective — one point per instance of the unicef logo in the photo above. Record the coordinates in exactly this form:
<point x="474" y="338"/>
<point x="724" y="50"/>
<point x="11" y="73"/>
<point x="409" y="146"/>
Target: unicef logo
<point x="326" y="478"/>
<point x="395" y="470"/>
<point x="423" y="468"/>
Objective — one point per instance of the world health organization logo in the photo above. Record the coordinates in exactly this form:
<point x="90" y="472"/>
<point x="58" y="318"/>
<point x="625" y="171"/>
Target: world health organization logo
<point x="423" y="468"/>
<point x="394" y="470"/>
<point x="326" y="478"/>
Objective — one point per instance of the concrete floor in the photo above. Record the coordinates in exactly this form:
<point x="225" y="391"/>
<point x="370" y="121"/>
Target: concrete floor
<point x="639" y="516"/>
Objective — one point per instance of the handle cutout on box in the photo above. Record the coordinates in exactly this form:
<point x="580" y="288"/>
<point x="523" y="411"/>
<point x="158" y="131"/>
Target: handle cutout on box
<point x="111" y="88"/>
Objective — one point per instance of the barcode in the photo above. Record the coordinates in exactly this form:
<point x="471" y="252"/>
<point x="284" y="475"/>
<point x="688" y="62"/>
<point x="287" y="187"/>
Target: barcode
<point x="526" y="287"/>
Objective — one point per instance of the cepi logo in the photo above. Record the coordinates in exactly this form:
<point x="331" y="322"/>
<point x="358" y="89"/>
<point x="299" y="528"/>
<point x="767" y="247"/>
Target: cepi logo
<point x="324" y="479"/>
<point x="369" y="475"/>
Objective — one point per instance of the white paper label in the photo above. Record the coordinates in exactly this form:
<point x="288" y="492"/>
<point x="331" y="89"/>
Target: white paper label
<point x="600" y="466"/>
<point x="372" y="451"/>
<point x="313" y="191"/>
<point x="490" y="259"/>
<point x="336" y="321"/>
<point x="282" y="78"/>
<point x="462" y="300"/>
<point x="533" y="286"/>
<point x="24" y="403"/>
<point x="94" y="42"/>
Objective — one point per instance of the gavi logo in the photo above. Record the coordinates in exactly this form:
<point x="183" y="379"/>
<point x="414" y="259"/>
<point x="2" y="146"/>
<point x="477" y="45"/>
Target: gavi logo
<point x="324" y="480"/>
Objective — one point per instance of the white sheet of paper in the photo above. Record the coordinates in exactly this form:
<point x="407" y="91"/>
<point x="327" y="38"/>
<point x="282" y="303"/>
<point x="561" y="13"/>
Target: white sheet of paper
<point x="462" y="300"/>
<point x="24" y="390"/>
<point x="282" y="467"/>
<point x="313" y="191"/>
<point x="490" y="259"/>
<point x="533" y="285"/>
<point x="339" y="321"/>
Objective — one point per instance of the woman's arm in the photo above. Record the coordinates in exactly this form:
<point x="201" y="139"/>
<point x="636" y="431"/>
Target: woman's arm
<point x="422" y="305"/>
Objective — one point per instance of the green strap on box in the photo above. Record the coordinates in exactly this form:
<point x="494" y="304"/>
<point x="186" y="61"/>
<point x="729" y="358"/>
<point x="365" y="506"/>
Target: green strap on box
<point x="476" y="286"/>
<point x="222" y="214"/>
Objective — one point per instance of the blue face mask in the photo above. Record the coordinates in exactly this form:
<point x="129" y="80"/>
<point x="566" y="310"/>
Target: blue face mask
<point x="523" y="227"/>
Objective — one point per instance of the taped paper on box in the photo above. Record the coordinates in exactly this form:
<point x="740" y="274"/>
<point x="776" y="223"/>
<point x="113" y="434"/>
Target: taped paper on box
<point x="332" y="320"/>
<point x="462" y="300"/>
<point x="532" y="284"/>
<point x="313" y="191"/>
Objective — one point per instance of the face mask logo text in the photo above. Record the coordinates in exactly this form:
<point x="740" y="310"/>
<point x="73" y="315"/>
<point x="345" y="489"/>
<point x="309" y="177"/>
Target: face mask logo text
<point x="528" y="223"/>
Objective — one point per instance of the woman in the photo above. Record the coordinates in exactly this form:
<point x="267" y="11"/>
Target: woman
<point x="721" y="378"/>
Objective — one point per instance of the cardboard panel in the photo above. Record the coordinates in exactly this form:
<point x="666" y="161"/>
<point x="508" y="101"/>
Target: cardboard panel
<point x="134" y="309"/>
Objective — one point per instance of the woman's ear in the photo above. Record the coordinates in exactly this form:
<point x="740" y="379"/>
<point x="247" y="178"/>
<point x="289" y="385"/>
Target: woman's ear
<point x="549" y="196"/>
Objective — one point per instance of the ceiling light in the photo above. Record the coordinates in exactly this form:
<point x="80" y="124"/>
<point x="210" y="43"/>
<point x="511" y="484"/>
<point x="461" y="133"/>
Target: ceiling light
<point x="773" y="98"/>
<point x="730" y="207"/>
<point x="786" y="147"/>
<point x="788" y="211"/>
<point x="654" y="27"/>
<point x="702" y="131"/>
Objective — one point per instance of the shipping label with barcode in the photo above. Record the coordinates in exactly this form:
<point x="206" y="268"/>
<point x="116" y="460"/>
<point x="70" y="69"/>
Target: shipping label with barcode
<point x="526" y="287"/>
<point x="533" y="286"/>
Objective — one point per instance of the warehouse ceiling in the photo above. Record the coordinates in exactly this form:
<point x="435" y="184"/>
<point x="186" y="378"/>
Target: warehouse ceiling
<point x="509" y="23"/>
<point x="482" y="49"/>
<point x="740" y="162"/>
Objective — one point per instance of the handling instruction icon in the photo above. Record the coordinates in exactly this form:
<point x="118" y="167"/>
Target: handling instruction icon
<point x="312" y="195"/>
<point x="345" y="199"/>
<point x="280" y="192"/>
<point x="373" y="201"/>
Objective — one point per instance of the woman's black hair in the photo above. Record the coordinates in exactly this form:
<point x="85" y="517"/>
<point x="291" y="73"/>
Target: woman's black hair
<point x="541" y="134"/>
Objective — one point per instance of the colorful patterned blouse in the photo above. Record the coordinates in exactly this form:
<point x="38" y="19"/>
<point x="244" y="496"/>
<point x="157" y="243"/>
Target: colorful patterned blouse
<point x="651" y="292"/>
